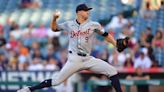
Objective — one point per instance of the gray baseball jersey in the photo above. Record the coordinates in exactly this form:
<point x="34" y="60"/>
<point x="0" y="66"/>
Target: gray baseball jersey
<point x="81" y="40"/>
<point x="81" y="36"/>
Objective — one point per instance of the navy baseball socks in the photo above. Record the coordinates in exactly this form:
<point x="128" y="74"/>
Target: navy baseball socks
<point x="116" y="83"/>
<point x="46" y="83"/>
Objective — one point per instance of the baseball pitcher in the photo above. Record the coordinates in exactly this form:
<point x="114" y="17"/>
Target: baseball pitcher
<point x="81" y="34"/>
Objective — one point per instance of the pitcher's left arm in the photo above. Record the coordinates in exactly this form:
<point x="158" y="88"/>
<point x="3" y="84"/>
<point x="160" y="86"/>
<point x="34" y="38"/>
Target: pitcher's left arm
<point x="121" y="43"/>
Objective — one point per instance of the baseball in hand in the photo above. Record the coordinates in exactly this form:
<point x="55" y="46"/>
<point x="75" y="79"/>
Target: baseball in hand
<point x="57" y="13"/>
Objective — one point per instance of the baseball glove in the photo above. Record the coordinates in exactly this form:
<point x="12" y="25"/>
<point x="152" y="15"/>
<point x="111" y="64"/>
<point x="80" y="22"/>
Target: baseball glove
<point x="122" y="44"/>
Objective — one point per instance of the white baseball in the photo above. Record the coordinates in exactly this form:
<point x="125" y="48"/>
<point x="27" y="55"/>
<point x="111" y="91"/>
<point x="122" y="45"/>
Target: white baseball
<point x="57" y="13"/>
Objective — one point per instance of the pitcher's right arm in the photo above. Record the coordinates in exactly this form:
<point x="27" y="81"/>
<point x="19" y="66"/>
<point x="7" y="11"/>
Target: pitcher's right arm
<point x="54" y="25"/>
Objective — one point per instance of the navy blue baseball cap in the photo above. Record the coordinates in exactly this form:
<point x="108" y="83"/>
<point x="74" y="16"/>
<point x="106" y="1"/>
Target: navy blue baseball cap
<point x="82" y="7"/>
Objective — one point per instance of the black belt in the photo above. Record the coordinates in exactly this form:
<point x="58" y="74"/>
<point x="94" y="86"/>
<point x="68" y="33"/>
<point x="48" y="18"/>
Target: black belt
<point x="80" y="54"/>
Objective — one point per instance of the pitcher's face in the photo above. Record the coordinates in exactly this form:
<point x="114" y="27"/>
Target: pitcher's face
<point x="84" y="14"/>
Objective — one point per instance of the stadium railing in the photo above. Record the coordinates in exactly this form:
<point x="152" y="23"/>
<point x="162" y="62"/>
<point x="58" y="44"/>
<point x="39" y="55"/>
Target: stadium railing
<point x="126" y="83"/>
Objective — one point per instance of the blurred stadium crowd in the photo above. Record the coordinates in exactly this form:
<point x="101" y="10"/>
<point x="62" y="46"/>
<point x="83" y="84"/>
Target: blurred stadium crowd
<point x="32" y="46"/>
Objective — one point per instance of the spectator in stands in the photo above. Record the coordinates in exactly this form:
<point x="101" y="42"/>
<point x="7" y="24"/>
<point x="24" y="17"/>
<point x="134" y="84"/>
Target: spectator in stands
<point x="131" y="28"/>
<point x="121" y="59"/>
<point x="35" y="51"/>
<point x="17" y="33"/>
<point x="132" y="44"/>
<point x="40" y="32"/>
<point x="158" y="44"/>
<point x="117" y="59"/>
<point x="31" y="4"/>
<point x="139" y="76"/>
<point x="37" y="54"/>
<point x="155" y="64"/>
<point x="124" y="32"/>
<point x="13" y="60"/>
<point x="157" y="40"/>
<point x="152" y="57"/>
<point x="29" y="29"/>
<point x="3" y="62"/>
<point x="128" y="29"/>
<point x="3" y="41"/>
<point x="36" y="65"/>
<point x="13" y="42"/>
<point x="146" y="38"/>
<point x="148" y="13"/>
<point x="22" y="62"/>
<point x="6" y="29"/>
<point x="50" y="52"/>
<point x="143" y="60"/>
<point x="154" y="4"/>
<point x="22" y="49"/>
<point x="35" y="45"/>
<point x="27" y="39"/>
<point x="23" y="56"/>
<point x="129" y="61"/>
<point x="149" y="36"/>
<point x="117" y="22"/>
<point x="5" y="50"/>
<point x="51" y="64"/>
<point x="14" y="26"/>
